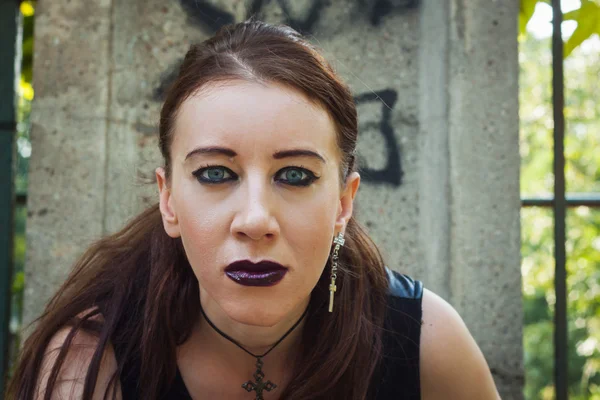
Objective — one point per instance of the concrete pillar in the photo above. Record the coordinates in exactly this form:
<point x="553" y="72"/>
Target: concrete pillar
<point x="435" y="83"/>
<point x="469" y="173"/>
<point x="69" y="129"/>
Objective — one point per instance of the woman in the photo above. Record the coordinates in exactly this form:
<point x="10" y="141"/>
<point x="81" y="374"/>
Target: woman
<point x="250" y="279"/>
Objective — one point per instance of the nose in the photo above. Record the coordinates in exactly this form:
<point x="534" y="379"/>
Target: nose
<point x="255" y="217"/>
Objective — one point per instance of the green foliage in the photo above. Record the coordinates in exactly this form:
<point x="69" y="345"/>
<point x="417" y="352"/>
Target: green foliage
<point x="587" y="18"/>
<point x="28" y="11"/>
<point x="525" y="14"/>
<point x="588" y="24"/>
<point x="22" y="165"/>
<point x="583" y="224"/>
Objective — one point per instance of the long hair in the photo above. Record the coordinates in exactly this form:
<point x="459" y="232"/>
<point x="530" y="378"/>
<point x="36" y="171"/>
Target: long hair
<point x="136" y="290"/>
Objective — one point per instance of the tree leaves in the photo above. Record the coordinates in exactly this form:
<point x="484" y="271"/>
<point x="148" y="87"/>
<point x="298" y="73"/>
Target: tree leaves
<point x="525" y="14"/>
<point x="582" y="114"/>
<point x="588" y="24"/>
<point x="587" y="18"/>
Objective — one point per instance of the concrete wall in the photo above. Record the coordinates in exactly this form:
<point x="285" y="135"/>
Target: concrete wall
<point x="469" y="174"/>
<point x="436" y="87"/>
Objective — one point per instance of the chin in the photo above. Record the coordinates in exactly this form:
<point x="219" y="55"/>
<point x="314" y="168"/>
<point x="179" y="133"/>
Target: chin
<point x="257" y="314"/>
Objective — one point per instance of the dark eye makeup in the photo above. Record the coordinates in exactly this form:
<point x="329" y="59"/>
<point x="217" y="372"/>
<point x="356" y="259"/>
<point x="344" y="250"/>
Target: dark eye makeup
<point x="218" y="174"/>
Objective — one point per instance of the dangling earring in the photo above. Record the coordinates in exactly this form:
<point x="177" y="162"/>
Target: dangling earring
<point x="338" y="241"/>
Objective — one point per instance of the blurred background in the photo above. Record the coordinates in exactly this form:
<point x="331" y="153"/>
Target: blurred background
<point x="580" y="30"/>
<point x="581" y="62"/>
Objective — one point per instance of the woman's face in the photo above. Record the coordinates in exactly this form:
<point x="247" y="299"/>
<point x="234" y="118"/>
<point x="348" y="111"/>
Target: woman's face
<point x="255" y="176"/>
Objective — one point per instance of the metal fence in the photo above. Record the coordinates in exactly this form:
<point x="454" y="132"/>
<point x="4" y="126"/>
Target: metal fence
<point x="560" y="202"/>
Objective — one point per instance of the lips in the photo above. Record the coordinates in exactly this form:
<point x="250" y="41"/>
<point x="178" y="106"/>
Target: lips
<point x="247" y="273"/>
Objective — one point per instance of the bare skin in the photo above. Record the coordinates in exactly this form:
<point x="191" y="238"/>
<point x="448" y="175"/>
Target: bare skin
<point x="452" y="365"/>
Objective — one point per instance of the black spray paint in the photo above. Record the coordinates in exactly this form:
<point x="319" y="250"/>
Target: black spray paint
<point x="392" y="171"/>
<point x="205" y="15"/>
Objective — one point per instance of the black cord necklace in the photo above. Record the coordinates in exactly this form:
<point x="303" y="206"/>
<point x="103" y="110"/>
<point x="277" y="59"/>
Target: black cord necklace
<point x="259" y="385"/>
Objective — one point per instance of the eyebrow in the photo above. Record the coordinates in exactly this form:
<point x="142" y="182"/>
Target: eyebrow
<point x="211" y="150"/>
<point x="278" y="155"/>
<point x="298" y="153"/>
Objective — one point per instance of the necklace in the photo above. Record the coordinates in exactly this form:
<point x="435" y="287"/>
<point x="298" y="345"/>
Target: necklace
<point x="259" y="385"/>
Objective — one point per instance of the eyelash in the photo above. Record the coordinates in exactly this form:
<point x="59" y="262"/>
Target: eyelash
<point x="311" y="177"/>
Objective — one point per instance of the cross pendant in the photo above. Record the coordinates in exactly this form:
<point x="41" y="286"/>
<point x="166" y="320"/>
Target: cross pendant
<point x="259" y="385"/>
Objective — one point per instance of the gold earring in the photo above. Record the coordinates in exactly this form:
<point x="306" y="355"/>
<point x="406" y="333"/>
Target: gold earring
<point x="338" y="241"/>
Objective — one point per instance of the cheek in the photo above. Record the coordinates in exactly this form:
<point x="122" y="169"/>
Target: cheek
<point x="309" y="231"/>
<point x="199" y="244"/>
<point x="203" y="231"/>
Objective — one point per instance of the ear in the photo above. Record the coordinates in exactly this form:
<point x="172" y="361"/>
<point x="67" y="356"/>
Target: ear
<point x="346" y="203"/>
<point x="167" y="209"/>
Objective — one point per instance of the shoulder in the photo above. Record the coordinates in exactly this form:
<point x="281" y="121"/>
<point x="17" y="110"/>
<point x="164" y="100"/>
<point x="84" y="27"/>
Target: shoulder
<point x="72" y="373"/>
<point x="451" y="364"/>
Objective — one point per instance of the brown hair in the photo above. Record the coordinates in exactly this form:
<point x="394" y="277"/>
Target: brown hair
<point x="140" y="281"/>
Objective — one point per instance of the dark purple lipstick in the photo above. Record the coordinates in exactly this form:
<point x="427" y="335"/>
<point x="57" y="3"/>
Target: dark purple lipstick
<point x="247" y="273"/>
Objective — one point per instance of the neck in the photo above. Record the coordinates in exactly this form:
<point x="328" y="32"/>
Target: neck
<point x="209" y="357"/>
<point x="255" y="338"/>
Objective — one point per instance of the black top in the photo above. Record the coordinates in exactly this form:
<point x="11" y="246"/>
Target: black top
<point x="398" y="375"/>
<point x="399" y="378"/>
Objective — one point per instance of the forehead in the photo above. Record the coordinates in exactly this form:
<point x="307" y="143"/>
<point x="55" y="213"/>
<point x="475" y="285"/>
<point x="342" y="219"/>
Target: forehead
<point x="249" y="116"/>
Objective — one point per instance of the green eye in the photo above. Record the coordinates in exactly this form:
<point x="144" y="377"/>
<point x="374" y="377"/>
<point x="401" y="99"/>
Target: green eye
<point x="293" y="176"/>
<point x="296" y="176"/>
<point x="214" y="174"/>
